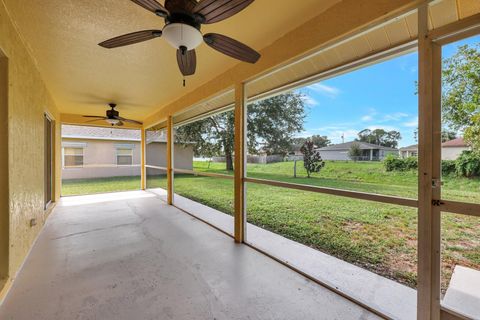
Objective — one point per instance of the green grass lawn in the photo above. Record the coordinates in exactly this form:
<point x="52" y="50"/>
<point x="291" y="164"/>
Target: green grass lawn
<point x="376" y="236"/>
<point x="99" y="185"/>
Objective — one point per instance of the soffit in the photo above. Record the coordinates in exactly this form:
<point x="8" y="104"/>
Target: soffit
<point x="391" y="34"/>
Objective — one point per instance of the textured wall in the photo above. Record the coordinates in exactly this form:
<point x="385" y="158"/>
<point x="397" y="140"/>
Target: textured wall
<point x="28" y="100"/>
<point x="4" y="211"/>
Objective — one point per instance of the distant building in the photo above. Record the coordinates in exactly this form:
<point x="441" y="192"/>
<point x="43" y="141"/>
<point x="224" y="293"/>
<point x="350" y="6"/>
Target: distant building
<point x="453" y="148"/>
<point x="410" y="151"/>
<point x="450" y="149"/>
<point x="370" y="152"/>
<point x="94" y="152"/>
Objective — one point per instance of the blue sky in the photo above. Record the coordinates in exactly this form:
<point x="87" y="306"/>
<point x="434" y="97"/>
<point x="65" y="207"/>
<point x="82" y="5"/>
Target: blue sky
<point x="378" y="96"/>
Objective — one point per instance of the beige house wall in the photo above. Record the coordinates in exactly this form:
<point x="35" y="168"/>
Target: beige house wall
<point x="448" y="153"/>
<point x="100" y="158"/>
<point x="452" y="153"/>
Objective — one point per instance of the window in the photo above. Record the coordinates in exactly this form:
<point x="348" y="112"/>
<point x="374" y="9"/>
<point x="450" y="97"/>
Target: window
<point x="124" y="157"/>
<point x="73" y="157"/>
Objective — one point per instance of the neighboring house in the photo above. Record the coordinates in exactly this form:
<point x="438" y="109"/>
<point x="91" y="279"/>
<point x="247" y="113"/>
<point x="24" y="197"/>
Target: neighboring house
<point x="410" y="151"/>
<point x="450" y="149"/>
<point x="453" y="148"/>
<point x="94" y="152"/>
<point x="370" y="152"/>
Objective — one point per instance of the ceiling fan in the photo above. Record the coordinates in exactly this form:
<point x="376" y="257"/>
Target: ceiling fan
<point x="183" y="21"/>
<point x="113" y="117"/>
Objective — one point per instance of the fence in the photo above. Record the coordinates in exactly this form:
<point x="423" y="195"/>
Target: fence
<point x="262" y="159"/>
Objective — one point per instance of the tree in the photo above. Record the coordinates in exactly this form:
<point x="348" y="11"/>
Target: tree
<point x="213" y="136"/>
<point x="447" y="135"/>
<point x="297" y="144"/>
<point x="367" y="136"/>
<point x="391" y="139"/>
<point x="312" y="161"/>
<point x="271" y="125"/>
<point x="355" y="152"/>
<point x="380" y="137"/>
<point x="461" y="93"/>
<point x="320" y="141"/>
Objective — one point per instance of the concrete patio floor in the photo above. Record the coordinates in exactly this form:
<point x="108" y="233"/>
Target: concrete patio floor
<point x="388" y="297"/>
<point x="130" y="256"/>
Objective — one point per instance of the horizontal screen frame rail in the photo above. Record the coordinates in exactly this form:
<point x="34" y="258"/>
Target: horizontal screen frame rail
<point x="408" y="202"/>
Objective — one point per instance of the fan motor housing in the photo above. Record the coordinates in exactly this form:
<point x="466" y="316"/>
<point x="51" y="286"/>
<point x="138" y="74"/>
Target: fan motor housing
<point x="112" y="113"/>
<point x="185" y="18"/>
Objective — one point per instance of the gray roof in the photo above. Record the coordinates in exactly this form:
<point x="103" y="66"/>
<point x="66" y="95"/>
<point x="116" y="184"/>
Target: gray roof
<point x="348" y="145"/>
<point x="84" y="132"/>
<point x="99" y="133"/>
<point x="412" y="147"/>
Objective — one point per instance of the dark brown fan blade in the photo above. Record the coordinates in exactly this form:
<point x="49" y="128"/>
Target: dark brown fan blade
<point x="231" y="47"/>
<point x="128" y="120"/>
<point x="153" y="6"/>
<point x="130" y="38"/>
<point x="119" y="124"/>
<point x="218" y="10"/>
<point x="187" y="62"/>
<point x="98" y="119"/>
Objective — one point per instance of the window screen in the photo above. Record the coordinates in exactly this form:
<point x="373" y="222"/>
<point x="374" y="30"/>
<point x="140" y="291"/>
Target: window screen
<point x="124" y="157"/>
<point x="73" y="157"/>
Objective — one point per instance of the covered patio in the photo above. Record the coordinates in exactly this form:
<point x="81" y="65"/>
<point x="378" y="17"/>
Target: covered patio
<point x="153" y="254"/>
<point x="132" y="256"/>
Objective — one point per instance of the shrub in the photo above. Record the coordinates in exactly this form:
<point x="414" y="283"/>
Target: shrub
<point x="448" y="167"/>
<point x="312" y="161"/>
<point x="393" y="163"/>
<point x="355" y="152"/>
<point x="468" y="164"/>
<point x="411" y="163"/>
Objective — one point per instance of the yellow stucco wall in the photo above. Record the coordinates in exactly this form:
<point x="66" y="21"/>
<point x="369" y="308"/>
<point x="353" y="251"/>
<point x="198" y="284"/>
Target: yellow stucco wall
<point x="28" y="100"/>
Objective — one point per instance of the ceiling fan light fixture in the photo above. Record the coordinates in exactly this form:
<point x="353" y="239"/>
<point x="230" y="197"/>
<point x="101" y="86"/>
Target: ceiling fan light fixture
<point x="182" y="35"/>
<point x="113" y="121"/>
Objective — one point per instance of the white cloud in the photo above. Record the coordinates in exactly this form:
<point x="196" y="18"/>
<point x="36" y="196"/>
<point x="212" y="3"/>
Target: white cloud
<point x="348" y="135"/>
<point x="372" y="112"/>
<point x="335" y="133"/>
<point x="309" y="101"/>
<point x="381" y="126"/>
<point x="328" y="91"/>
<point x="411" y="123"/>
<point x="395" y="116"/>
<point x="304" y="134"/>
